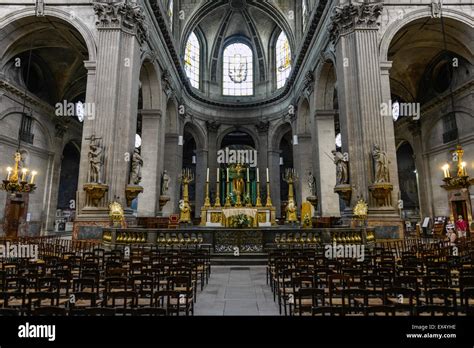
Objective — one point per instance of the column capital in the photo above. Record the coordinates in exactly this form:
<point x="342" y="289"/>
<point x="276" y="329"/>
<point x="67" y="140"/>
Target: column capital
<point x="262" y="127"/>
<point x="349" y="17"/>
<point x="121" y="15"/>
<point x="90" y="65"/>
<point x="212" y="126"/>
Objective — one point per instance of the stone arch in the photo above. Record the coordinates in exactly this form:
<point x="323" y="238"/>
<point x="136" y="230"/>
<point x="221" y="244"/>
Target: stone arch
<point x="303" y="121"/>
<point x="55" y="12"/>
<point x="396" y="26"/>
<point x="198" y="133"/>
<point x="244" y="129"/>
<point x="278" y="133"/>
<point x="326" y="85"/>
<point x="150" y="80"/>
<point x="172" y="124"/>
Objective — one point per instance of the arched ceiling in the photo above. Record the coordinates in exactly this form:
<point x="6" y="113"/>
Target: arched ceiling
<point x="58" y="52"/>
<point x="416" y="45"/>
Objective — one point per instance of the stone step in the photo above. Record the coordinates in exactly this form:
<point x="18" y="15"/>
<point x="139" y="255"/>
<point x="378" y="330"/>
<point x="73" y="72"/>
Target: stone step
<point x="243" y="259"/>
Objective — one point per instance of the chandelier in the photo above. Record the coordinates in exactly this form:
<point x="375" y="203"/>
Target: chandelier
<point x="17" y="178"/>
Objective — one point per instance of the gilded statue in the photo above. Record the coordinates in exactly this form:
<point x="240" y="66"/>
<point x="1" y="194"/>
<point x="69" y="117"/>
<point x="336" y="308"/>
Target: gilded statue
<point x="342" y="171"/>
<point x="291" y="214"/>
<point x="117" y="215"/>
<point x="185" y="210"/>
<point x="381" y="163"/>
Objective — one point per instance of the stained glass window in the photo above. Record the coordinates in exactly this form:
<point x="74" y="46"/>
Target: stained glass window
<point x="170" y="13"/>
<point x="283" y="59"/>
<point x="192" y="60"/>
<point x="237" y="77"/>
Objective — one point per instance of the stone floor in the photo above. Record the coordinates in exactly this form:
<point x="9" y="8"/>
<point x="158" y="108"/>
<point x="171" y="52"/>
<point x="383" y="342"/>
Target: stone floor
<point x="235" y="291"/>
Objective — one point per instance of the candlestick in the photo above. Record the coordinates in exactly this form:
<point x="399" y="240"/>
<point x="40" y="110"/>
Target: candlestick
<point x="268" y="176"/>
<point x="464" y="170"/>
<point x="23" y="177"/>
<point x="446" y="171"/>
<point x="207" y="176"/>
<point x="218" y="176"/>
<point x="258" y="175"/>
<point x="33" y="174"/>
<point x="248" y="174"/>
<point x="227" y="174"/>
<point x="9" y="172"/>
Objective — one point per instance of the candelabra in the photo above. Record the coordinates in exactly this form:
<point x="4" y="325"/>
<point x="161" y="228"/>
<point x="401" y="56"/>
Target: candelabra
<point x="269" y="198"/>
<point x="217" y="204"/>
<point x="186" y="178"/>
<point x="291" y="177"/>
<point x="16" y="184"/>
<point x="461" y="180"/>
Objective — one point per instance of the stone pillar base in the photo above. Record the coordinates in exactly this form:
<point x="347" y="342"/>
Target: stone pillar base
<point x="89" y="225"/>
<point x="387" y="227"/>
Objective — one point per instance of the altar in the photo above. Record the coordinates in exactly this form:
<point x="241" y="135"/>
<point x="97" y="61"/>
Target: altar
<point x="229" y="217"/>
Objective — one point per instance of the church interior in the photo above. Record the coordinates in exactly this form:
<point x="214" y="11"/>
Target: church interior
<point x="236" y="158"/>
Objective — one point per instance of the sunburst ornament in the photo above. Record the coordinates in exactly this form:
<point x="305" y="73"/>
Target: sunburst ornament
<point x="361" y="209"/>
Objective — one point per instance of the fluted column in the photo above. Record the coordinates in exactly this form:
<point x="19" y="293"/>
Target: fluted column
<point x="354" y="33"/>
<point x="120" y="33"/>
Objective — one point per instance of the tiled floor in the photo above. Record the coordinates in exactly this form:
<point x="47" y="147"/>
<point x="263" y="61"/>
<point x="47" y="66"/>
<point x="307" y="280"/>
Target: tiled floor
<point x="236" y="291"/>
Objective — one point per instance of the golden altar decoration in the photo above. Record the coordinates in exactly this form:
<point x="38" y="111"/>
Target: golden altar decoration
<point x="222" y="216"/>
<point x="117" y="215"/>
<point x="290" y="177"/>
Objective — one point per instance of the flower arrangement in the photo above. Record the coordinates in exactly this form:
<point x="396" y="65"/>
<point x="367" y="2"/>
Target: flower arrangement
<point x="241" y="221"/>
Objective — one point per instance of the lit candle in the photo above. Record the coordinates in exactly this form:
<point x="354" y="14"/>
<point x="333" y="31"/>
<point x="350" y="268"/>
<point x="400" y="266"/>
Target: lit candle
<point x="446" y="171"/>
<point x="227" y="174"/>
<point x="207" y="176"/>
<point x="33" y="174"/>
<point x="268" y="176"/>
<point x="218" y="176"/>
<point x="464" y="170"/>
<point x="9" y="172"/>
<point x="248" y="174"/>
<point x="24" y="171"/>
<point x="258" y="175"/>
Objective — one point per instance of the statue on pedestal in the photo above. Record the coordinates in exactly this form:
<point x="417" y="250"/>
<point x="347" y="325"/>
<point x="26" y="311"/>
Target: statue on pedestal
<point x="165" y="182"/>
<point x="136" y="173"/>
<point x="312" y="184"/>
<point x="381" y="163"/>
<point x="95" y="161"/>
<point x="342" y="172"/>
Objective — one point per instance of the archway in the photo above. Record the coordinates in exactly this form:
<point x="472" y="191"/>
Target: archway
<point x="68" y="181"/>
<point x="426" y="83"/>
<point x="408" y="176"/>
<point x="33" y="46"/>
<point x="328" y="137"/>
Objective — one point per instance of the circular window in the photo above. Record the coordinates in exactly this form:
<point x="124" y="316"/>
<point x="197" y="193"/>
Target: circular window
<point x="442" y="77"/>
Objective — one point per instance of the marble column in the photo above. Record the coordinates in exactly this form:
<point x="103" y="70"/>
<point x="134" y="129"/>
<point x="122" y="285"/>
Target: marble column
<point x="212" y="129"/>
<point x="120" y="34"/>
<point x="173" y="164"/>
<point x="354" y="33"/>
<point x="325" y="168"/>
<point x="200" y="180"/>
<point x="148" y="201"/>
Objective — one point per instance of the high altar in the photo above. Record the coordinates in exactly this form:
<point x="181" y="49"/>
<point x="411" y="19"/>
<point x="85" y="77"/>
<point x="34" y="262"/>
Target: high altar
<point x="242" y="202"/>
